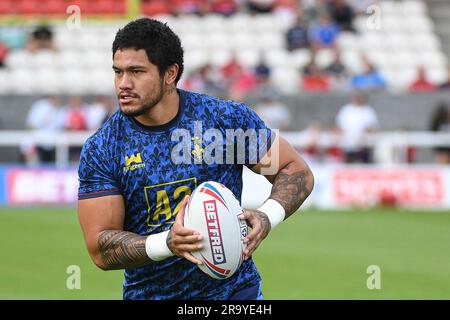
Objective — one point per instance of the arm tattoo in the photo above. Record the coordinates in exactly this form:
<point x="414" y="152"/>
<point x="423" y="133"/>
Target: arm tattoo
<point x="122" y="249"/>
<point x="290" y="190"/>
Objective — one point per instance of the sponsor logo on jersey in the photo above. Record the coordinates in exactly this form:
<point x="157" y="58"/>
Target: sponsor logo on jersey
<point x="133" y="162"/>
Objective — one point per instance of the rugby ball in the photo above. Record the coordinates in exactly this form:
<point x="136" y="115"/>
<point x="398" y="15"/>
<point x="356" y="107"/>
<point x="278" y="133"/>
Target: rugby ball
<point x="213" y="211"/>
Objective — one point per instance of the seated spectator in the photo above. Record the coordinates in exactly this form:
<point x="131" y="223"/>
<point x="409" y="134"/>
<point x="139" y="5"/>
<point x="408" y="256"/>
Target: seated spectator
<point x="224" y="7"/>
<point x="262" y="73"/>
<point x="316" y="81"/>
<point x="260" y="6"/>
<point x="338" y="73"/>
<point x="342" y="14"/>
<point x="440" y="122"/>
<point x="297" y="35"/>
<point x="323" y="33"/>
<point x="46" y="117"/>
<point x="272" y="111"/>
<point x="3" y="53"/>
<point x="242" y="83"/>
<point x="369" y="80"/>
<point x="41" y="39"/>
<point x="354" y="121"/>
<point x="421" y="83"/>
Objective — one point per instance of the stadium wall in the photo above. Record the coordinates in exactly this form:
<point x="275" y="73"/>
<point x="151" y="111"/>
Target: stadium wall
<point x="340" y="186"/>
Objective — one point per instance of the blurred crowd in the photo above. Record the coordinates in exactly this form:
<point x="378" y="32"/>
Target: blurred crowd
<point x="52" y="115"/>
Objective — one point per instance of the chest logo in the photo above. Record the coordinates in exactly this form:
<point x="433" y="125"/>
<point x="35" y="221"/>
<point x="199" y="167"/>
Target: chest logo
<point x="133" y="162"/>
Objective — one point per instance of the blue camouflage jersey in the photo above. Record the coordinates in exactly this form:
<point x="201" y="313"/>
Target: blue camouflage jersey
<point x="153" y="168"/>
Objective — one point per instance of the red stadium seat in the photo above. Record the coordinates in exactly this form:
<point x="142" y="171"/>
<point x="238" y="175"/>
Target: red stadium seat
<point x="108" y="6"/>
<point x="155" y="7"/>
<point x="7" y="7"/>
<point x="28" y="7"/>
<point x="86" y="6"/>
<point x="54" y="6"/>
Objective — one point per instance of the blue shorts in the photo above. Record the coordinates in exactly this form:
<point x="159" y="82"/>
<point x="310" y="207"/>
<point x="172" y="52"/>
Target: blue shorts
<point x="250" y="293"/>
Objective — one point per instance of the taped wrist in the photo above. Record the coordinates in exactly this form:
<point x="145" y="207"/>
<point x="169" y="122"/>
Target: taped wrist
<point x="274" y="211"/>
<point x="156" y="246"/>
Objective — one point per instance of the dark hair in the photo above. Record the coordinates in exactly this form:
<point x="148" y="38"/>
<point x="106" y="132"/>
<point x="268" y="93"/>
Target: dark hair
<point x="162" y="45"/>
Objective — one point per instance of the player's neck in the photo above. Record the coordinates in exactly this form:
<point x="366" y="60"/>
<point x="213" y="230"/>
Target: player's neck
<point x="163" y="112"/>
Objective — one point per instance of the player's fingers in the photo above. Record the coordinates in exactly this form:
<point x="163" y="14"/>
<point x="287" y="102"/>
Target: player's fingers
<point x="181" y="231"/>
<point x="180" y="215"/>
<point x="189" y="247"/>
<point x="188" y="239"/>
<point x="191" y="258"/>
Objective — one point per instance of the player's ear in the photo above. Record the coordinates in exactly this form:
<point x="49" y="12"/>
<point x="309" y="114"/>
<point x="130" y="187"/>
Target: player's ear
<point x="171" y="74"/>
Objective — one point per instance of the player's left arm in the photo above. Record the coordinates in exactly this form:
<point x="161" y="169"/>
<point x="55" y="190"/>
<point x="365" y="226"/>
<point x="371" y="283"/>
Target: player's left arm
<point x="292" y="182"/>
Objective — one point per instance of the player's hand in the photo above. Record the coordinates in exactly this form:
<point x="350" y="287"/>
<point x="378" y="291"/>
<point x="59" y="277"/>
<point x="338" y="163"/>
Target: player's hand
<point x="260" y="225"/>
<point x="181" y="240"/>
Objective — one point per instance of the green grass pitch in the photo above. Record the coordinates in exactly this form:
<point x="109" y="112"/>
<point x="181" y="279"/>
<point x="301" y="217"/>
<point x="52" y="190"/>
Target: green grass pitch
<point x="313" y="255"/>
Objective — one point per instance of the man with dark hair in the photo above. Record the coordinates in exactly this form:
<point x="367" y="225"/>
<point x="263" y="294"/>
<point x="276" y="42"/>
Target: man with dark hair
<point x="133" y="188"/>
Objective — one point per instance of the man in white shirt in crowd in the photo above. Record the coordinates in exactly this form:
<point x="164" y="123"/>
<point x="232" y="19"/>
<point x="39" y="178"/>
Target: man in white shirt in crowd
<point x="47" y="118"/>
<point x="355" y="120"/>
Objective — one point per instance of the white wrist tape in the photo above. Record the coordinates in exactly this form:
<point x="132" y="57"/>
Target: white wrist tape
<point x="156" y="246"/>
<point x="274" y="211"/>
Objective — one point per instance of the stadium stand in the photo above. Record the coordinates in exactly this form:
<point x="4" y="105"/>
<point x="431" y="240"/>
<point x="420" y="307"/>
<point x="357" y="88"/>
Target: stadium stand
<point x="404" y="41"/>
<point x="398" y="39"/>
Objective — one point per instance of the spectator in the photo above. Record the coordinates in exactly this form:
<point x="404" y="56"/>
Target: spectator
<point x="41" y="39"/>
<point x="75" y="115"/>
<point x="440" y="122"/>
<point x="354" y="121"/>
<point x="297" y="35"/>
<point x="75" y="119"/>
<point x="342" y="14"/>
<point x="262" y="73"/>
<point x="322" y="34"/>
<point x="46" y="117"/>
<point x="224" y="7"/>
<point x="260" y="6"/>
<point x="369" y="80"/>
<point x="314" y="79"/>
<point x="421" y="83"/>
<point x="241" y="84"/>
<point x="338" y="73"/>
<point x="99" y="111"/>
<point x="311" y="151"/>
<point x="273" y="112"/>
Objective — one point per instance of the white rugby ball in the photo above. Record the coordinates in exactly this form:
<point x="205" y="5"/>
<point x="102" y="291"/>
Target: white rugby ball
<point x="213" y="211"/>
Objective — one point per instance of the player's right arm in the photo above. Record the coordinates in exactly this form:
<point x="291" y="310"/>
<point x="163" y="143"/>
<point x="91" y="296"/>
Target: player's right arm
<point x="112" y="248"/>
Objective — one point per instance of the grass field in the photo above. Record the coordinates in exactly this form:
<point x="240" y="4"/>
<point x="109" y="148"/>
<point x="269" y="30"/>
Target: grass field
<point x="314" y="255"/>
